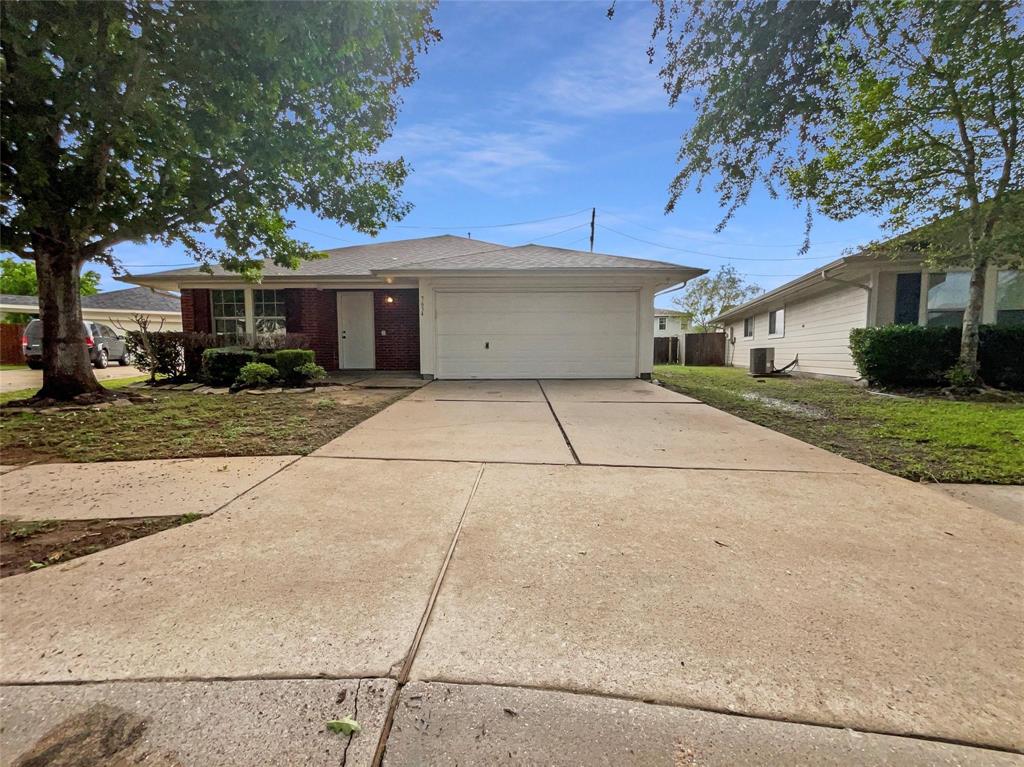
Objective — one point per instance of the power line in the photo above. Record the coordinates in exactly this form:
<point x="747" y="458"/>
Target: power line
<point x="717" y="242"/>
<point x="704" y="253"/>
<point x="464" y="227"/>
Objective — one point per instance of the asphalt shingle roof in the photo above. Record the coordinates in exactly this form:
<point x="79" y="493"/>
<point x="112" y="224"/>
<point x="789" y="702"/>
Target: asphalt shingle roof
<point x="137" y="299"/>
<point x="442" y="253"/>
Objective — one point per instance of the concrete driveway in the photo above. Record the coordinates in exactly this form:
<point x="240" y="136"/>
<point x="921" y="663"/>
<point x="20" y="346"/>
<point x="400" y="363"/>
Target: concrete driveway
<point x="553" y="572"/>
<point x="15" y="380"/>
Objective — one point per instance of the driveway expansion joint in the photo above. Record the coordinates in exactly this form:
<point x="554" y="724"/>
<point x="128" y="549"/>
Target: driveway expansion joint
<point x="403" y="674"/>
<point x="561" y="428"/>
<point x="722" y="712"/>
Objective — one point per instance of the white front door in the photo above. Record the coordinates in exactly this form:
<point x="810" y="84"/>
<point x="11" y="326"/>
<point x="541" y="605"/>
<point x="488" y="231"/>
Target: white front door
<point x="355" y="330"/>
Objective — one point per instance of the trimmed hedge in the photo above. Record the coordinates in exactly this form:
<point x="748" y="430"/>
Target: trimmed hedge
<point x="911" y="355"/>
<point x="222" y="366"/>
<point x="288" y="362"/>
<point x="1001" y="355"/>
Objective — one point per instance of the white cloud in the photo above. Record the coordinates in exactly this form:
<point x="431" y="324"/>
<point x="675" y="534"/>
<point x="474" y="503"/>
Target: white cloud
<point x="498" y="161"/>
<point x="609" y="74"/>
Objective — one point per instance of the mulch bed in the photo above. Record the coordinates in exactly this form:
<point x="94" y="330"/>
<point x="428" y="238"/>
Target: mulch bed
<point x="26" y="546"/>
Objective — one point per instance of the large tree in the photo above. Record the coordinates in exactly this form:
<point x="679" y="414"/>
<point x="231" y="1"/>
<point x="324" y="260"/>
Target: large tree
<point x="909" y="110"/>
<point x="706" y="297"/>
<point x="191" y="122"/>
<point x="18" y="278"/>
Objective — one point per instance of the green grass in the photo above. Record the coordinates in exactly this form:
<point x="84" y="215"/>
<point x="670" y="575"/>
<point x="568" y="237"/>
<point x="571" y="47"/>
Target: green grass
<point x="179" y="425"/>
<point x="931" y="438"/>
<point x="13" y="367"/>
<point x="110" y="383"/>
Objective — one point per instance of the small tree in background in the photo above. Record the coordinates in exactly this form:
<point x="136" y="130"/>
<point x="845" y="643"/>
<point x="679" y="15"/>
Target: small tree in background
<point x="708" y="296"/>
<point x="129" y="121"/>
<point x="905" y="109"/>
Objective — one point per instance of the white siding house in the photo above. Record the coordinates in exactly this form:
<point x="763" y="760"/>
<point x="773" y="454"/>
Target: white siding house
<point x="809" y="319"/>
<point x="669" y="322"/>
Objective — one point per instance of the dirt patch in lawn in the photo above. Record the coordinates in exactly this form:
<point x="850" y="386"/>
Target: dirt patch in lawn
<point x="185" y="425"/>
<point x="27" y="546"/>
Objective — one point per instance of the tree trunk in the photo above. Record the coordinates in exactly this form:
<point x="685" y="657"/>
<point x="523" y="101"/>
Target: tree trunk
<point x="67" y="371"/>
<point x="968" y="362"/>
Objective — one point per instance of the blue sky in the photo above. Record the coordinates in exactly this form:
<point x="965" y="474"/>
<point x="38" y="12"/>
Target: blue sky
<point x="531" y="110"/>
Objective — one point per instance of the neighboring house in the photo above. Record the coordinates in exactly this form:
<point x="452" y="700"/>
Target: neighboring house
<point x="669" y="322"/>
<point x="446" y="307"/>
<point x="116" y="307"/>
<point x="811" y="316"/>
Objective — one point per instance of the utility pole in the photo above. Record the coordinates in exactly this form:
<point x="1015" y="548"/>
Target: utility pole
<point x="593" y="216"/>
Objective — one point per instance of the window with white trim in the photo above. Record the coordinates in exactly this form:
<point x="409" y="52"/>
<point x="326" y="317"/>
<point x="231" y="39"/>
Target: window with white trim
<point x="228" y="312"/>
<point x="748" y="327"/>
<point x="268" y="312"/>
<point x="662" y="323"/>
<point x="777" y="323"/>
<point x="947" y="298"/>
<point x="1010" y="298"/>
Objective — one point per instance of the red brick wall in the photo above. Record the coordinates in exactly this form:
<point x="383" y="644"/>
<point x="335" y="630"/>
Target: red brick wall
<point x="196" y="310"/>
<point x="399" y="348"/>
<point x="314" y="313"/>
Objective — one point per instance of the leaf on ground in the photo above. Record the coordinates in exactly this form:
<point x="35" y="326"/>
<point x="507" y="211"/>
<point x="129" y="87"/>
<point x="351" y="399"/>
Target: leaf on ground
<point x="345" y="725"/>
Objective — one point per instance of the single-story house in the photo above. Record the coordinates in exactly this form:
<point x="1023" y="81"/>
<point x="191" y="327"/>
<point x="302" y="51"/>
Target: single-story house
<point x="669" y="322"/>
<point x="809" y="319"/>
<point x="446" y="307"/>
<point x="116" y="308"/>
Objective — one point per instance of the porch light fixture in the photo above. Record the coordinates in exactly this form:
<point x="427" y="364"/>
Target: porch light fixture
<point x="389" y="299"/>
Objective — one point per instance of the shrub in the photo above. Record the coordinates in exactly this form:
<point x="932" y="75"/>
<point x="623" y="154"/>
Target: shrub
<point x="910" y="355"/>
<point x="288" y="361"/>
<point x="174" y="354"/>
<point x="1001" y="355"/>
<point x="904" y="355"/>
<point x="266" y="342"/>
<point x="311" y="372"/>
<point x="256" y="374"/>
<point x="222" y="366"/>
<point x="268" y="358"/>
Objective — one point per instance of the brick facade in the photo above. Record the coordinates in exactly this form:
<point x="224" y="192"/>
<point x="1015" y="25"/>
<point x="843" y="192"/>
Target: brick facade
<point x="196" y="312"/>
<point x="314" y="313"/>
<point x="399" y="348"/>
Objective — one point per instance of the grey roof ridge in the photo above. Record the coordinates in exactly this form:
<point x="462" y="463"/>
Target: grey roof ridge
<point x="444" y="258"/>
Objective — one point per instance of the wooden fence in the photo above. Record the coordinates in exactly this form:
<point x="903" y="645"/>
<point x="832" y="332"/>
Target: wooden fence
<point x="10" y="344"/>
<point x="666" y="350"/>
<point x="704" y="349"/>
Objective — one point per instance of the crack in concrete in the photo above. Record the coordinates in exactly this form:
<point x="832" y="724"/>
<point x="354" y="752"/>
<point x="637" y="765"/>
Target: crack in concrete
<point x="355" y="716"/>
<point x="558" y="423"/>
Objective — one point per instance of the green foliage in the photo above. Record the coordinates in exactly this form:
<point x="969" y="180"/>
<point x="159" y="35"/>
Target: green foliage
<point x="344" y="726"/>
<point x="1001" y="355"/>
<point x="172" y="118"/>
<point x="18" y="278"/>
<point x="708" y="296"/>
<point x="311" y="372"/>
<point x="173" y="354"/>
<point x="267" y="358"/>
<point x="288" y="361"/>
<point x="256" y="374"/>
<point x="222" y="366"/>
<point x="910" y="355"/>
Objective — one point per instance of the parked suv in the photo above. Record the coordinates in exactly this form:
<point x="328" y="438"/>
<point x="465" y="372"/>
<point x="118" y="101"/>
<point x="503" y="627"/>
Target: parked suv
<point x="103" y="343"/>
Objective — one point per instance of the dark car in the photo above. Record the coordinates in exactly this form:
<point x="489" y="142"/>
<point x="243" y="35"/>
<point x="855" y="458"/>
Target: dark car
<point x="103" y="343"/>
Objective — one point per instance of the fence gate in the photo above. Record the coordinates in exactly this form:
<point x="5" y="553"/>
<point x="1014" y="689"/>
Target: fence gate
<point x="704" y="349"/>
<point x="10" y="344"/>
<point x="666" y="350"/>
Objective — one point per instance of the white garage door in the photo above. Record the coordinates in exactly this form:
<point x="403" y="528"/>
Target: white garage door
<point x="537" y="334"/>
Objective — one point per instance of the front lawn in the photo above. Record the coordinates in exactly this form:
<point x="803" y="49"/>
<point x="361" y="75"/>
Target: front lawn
<point x="109" y="383"/>
<point x="932" y="439"/>
<point x="182" y="425"/>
